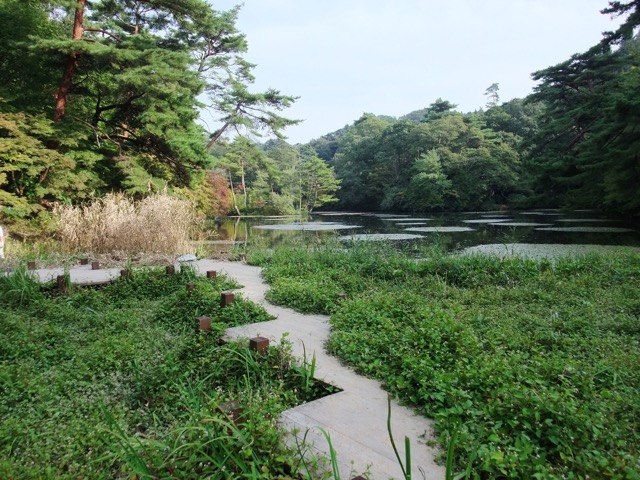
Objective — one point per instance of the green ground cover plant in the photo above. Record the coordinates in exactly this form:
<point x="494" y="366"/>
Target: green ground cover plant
<point x="531" y="369"/>
<point x="115" y="383"/>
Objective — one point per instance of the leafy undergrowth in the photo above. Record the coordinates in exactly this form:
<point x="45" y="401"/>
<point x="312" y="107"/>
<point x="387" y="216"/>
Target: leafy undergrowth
<point x="115" y="383"/>
<point x="532" y="367"/>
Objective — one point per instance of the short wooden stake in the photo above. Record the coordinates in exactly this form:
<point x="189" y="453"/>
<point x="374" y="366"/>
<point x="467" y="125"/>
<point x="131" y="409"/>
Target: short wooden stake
<point x="84" y="261"/>
<point x="259" y="344"/>
<point x="342" y="296"/>
<point x="191" y="286"/>
<point x="31" y="265"/>
<point x="203" y="324"/>
<point x="171" y="270"/>
<point x="61" y="281"/>
<point x="124" y="272"/>
<point x="95" y="265"/>
<point x="227" y="298"/>
<point x="212" y="274"/>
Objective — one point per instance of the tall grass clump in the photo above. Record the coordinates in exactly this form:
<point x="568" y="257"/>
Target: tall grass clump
<point x="157" y="224"/>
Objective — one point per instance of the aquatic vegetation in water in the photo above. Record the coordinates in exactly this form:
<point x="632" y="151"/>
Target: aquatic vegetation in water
<point x="377" y="237"/>
<point x="587" y="229"/>
<point x="489" y="220"/>
<point x="586" y="220"/>
<point x="519" y="224"/>
<point x="311" y="227"/>
<point x="439" y="229"/>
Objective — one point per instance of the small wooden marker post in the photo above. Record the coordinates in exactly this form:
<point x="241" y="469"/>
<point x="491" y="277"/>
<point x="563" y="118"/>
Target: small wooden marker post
<point x="342" y="296"/>
<point x="61" y="282"/>
<point x="31" y="265"/>
<point x="259" y="344"/>
<point x="95" y="265"/>
<point x="227" y="298"/>
<point x="203" y="324"/>
<point x="124" y="273"/>
<point x="171" y="270"/>
<point x="191" y="286"/>
<point x="212" y="274"/>
<point x="84" y="261"/>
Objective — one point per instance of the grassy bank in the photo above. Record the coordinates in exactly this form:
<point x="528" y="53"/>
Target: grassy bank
<point x="114" y="383"/>
<point x="530" y="369"/>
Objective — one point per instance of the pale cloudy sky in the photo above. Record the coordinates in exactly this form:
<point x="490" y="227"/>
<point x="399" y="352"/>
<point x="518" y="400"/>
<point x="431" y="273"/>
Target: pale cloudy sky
<point x="390" y="57"/>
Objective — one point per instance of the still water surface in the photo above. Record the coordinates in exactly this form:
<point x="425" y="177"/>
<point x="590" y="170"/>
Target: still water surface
<point x="450" y="231"/>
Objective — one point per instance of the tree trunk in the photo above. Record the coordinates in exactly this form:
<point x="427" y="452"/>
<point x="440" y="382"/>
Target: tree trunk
<point x="70" y="68"/>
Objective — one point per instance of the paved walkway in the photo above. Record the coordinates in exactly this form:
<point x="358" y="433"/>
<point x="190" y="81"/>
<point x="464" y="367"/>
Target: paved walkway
<point x="356" y="418"/>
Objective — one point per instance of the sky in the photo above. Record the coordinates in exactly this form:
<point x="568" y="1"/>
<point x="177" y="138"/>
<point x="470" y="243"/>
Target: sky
<point x="344" y="58"/>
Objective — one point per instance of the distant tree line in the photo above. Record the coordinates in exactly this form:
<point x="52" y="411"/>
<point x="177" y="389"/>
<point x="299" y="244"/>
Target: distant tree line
<point x="574" y="142"/>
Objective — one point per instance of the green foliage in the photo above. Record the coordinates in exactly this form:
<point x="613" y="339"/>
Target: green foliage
<point x="31" y="174"/>
<point x="448" y="161"/>
<point x="100" y="383"/>
<point x="531" y="367"/>
<point x="585" y="153"/>
<point x="133" y="78"/>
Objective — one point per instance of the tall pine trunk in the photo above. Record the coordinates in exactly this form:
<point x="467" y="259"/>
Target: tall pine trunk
<point x="70" y="68"/>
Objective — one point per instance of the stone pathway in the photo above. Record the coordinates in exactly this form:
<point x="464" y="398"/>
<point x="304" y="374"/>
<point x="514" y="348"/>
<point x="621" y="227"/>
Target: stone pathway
<point x="355" y="418"/>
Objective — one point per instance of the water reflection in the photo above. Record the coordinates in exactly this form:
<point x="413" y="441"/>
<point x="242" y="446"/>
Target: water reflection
<point x="450" y="231"/>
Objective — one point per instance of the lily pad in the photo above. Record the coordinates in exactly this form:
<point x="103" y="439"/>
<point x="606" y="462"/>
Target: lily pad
<point x="587" y="229"/>
<point x="553" y="214"/>
<point x="519" y="224"/>
<point x="308" y="227"/>
<point x="586" y="220"/>
<point x="378" y="237"/>
<point x="485" y="220"/>
<point x="439" y="229"/>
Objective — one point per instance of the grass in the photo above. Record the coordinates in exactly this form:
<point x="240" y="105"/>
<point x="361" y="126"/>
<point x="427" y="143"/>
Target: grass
<point x="531" y="369"/>
<point x="158" y="223"/>
<point x="115" y="383"/>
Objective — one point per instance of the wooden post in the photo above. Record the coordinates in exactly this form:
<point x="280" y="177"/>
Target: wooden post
<point x="212" y="274"/>
<point x="342" y="296"/>
<point x="61" y="281"/>
<point x="84" y="261"/>
<point x="259" y="344"/>
<point x="227" y="298"/>
<point x="191" y="286"/>
<point x="171" y="270"/>
<point x="31" y="265"/>
<point x="124" y="272"/>
<point x="95" y="265"/>
<point x="203" y="324"/>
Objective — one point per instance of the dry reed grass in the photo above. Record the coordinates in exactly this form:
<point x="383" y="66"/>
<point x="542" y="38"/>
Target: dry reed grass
<point x="157" y="224"/>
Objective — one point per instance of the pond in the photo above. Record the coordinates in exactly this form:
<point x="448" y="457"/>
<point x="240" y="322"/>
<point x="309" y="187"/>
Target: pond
<point x="452" y="232"/>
